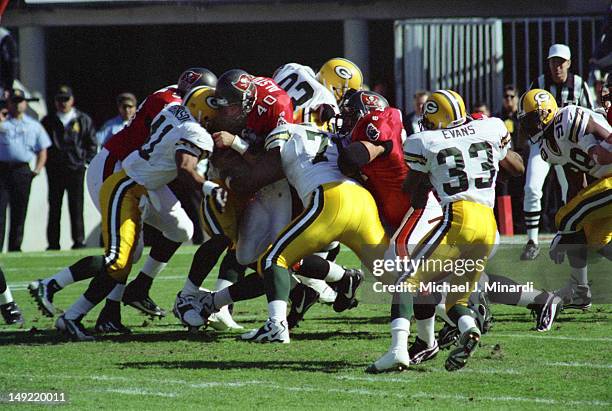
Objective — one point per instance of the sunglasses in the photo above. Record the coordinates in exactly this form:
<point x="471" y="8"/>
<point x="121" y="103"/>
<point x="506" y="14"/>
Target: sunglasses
<point x="509" y="96"/>
<point x="16" y="99"/>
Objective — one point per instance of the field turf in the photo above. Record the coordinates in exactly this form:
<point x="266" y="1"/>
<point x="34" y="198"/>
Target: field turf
<point x="160" y="366"/>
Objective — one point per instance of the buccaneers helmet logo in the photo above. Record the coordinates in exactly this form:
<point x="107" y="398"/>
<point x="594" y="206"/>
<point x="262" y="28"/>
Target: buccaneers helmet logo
<point x="189" y="78"/>
<point x="371" y="101"/>
<point x="243" y="82"/>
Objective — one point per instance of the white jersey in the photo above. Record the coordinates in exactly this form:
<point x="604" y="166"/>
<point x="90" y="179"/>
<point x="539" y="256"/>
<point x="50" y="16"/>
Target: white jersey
<point x="462" y="162"/>
<point x="306" y="93"/>
<point x="172" y="130"/>
<point x="568" y="143"/>
<point x="309" y="157"/>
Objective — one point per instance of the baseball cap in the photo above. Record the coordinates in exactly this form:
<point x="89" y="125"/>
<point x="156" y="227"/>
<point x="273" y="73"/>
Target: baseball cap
<point x="64" y="91"/>
<point x="559" y="50"/>
<point x="123" y="97"/>
<point x="16" y="95"/>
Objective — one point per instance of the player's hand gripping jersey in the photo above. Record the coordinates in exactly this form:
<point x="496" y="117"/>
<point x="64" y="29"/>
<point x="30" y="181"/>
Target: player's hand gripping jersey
<point x="386" y="173"/>
<point x="309" y="156"/>
<point x="174" y="129"/>
<point x="569" y="144"/>
<point x="463" y="161"/>
<point x="136" y="132"/>
<point x="307" y="94"/>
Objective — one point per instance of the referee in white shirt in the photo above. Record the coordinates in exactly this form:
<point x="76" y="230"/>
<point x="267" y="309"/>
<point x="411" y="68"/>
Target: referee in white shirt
<point x="568" y="88"/>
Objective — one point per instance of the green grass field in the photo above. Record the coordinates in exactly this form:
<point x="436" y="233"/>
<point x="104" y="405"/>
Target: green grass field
<point x="160" y="366"/>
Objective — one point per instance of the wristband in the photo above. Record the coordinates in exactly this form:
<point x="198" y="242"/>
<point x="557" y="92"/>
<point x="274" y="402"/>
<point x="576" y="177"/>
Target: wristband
<point x="208" y="187"/>
<point x="240" y="145"/>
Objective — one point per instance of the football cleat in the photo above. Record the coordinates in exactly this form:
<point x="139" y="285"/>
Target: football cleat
<point x="420" y="352"/>
<point x="73" y="329"/>
<point x="186" y="310"/>
<point x="273" y="331"/>
<point x="346" y="289"/>
<point x="205" y="303"/>
<point x="547" y="313"/>
<point x="458" y="357"/>
<point x="109" y="320"/>
<point x="223" y="320"/>
<point x="578" y="297"/>
<point x="43" y="295"/>
<point x="144" y="304"/>
<point x="302" y="298"/>
<point x="11" y="314"/>
<point x="531" y="251"/>
<point x="482" y="309"/>
<point x="447" y="336"/>
<point x="395" y="360"/>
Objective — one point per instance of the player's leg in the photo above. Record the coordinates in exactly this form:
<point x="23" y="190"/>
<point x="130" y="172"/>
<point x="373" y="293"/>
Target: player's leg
<point x="537" y="170"/>
<point x="164" y="212"/>
<point x="120" y="198"/>
<point x="8" y="308"/>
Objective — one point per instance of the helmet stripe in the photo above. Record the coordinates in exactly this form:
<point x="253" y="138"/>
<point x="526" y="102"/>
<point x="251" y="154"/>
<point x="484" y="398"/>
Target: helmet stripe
<point x="453" y="102"/>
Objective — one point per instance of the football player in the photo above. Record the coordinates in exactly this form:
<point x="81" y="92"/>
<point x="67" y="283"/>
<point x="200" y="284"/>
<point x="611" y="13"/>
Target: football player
<point x="177" y="142"/>
<point x="104" y="164"/>
<point x="340" y="75"/>
<point x="460" y="160"/>
<point x="8" y="307"/>
<point x="337" y="208"/>
<point x="580" y="138"/>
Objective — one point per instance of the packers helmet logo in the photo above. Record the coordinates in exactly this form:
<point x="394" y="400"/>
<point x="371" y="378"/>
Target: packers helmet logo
<point x="372" y="132"/>
<point x="430" y="107"/>
<point x="343" y="72"/>
<point x="541" y="97"/>
<point x="371" y="101"/>
<point x="243" y="82"/>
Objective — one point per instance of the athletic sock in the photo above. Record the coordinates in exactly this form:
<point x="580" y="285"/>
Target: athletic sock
<point x="425" y="330"/>
<point x="532" y="234"/>
<point x="580" y="275"/>
<point x="223" y="298"/>
<point x="400" y="330"/>
<point x="251" y="286"/>
<point x="277" y="310"/>
<point x="152" y="267"/>
<point x="528" y="298"/>
<point x="189" y="288"/>
<point x="465" y="323"/>
<point x="62" y="278"/>
<point x="277" y="283"/>
<point x="6" y="297"/>
<point x="80" y="308"/>
<point x="117" y="294"/>
<point x="222" y="283"/>
<point x="335" y="273"/>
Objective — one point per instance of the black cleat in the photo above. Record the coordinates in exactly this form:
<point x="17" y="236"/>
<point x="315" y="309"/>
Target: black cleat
<point x="73" y="329"/>
<point x="302" y="298"/>
<point x="347" y="289"/>
<point x="11" y="314"/>
<point x="531" y="251"/>
<point x="447" y="336"/>
<point x="43" y="295"/>
<point x="458" y="357"/>
<point x="420" y="352"/>
<point x="547" y="312"/>
<point x="109" y="320"/>
<point x="143" y="303"/>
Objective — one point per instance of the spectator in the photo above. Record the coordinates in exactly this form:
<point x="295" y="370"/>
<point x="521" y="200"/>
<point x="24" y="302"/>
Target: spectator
<point x="412" y="122"/>
<point x="126" y="105"/>
<point x="21" y="140"/>
<point x="568" y="88"/>
<point x="74" y="145"/>
<point x="9" y="61"/>
<point x="482" y="108"/>
<point x="513" y="186"/>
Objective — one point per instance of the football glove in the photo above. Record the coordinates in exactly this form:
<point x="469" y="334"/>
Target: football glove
<point x="217" y="193"/>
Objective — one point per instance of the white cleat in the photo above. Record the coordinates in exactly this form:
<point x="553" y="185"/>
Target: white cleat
<point x="394" y="360"/>
<point x="186" y="310"/>
<point x="223" y="320"/>
<point x="273" y="331"/>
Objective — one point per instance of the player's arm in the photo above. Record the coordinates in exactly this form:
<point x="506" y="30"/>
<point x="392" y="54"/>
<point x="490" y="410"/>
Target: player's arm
<point x="186" y="167"/>
<point x="513" y="164"/>
<point x="599" y="154"/>
<point x="227" y="140"/>
<point x="359" y="153"/>
<point x="267" y="169"/>
<point x="418" y="185"/>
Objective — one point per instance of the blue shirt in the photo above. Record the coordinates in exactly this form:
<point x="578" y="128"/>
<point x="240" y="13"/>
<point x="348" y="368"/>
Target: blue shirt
<point x="112" y="126"/>
<point x="21" y="139"/>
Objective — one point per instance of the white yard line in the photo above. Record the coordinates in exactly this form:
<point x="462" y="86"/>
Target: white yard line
<point x="550" y="337"/>
<point x="579" y="365"/>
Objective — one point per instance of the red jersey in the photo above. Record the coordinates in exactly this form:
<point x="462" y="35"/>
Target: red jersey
<point x="272" y="107"/>
<point x="386" y="173"/>
<point x="134" y="135"/>
<point x="609" y="116"/>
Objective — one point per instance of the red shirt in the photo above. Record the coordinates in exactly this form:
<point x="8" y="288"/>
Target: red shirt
<point x="134" y="135"/>
<point x="272" y="107"/>
<point x="609" y="115"/>
<point x="386" y="173"/>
